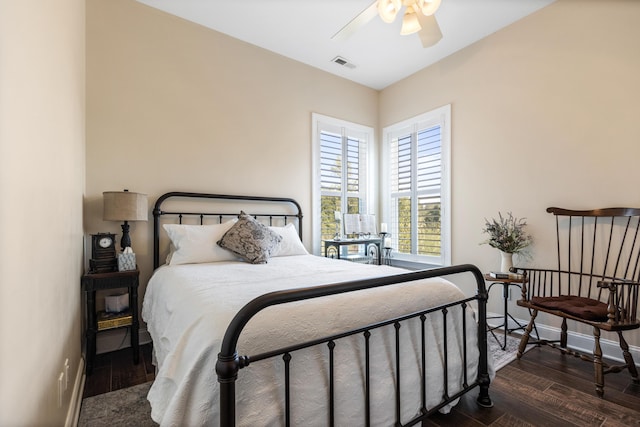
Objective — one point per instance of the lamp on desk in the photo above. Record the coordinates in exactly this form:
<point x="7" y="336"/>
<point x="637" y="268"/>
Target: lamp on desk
<point x="125" y="206"/>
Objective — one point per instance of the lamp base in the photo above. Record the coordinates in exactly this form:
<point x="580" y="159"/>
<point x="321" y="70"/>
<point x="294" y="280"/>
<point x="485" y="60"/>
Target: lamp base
<point x="125" y="242"/>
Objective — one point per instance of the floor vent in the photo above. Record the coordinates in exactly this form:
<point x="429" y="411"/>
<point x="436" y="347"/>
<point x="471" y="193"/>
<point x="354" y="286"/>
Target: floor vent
<point x="341" y="61"/>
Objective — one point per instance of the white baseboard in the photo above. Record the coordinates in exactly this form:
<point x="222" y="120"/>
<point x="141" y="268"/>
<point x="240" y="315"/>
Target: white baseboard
<point x="117" y="339"/>
<point x="73" y="413"/>
<point x="579" y="342"/>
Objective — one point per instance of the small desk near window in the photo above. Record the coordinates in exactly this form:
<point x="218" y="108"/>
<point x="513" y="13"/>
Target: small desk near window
<point x="372" y="247"/>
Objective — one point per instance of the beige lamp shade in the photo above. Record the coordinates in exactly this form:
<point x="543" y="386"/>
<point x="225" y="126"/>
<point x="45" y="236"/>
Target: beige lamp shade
<point x="125" y="206"/>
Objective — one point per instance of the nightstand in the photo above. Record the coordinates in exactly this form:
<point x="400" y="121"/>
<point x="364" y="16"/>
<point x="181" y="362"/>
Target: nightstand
<point x="93" y="282"/>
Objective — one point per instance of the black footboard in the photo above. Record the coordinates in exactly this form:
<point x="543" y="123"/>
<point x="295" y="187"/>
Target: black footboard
<point x="230" y="363"/>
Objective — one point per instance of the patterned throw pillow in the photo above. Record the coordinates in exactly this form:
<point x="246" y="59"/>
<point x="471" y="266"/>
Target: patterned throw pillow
<point x="251" y="240"/>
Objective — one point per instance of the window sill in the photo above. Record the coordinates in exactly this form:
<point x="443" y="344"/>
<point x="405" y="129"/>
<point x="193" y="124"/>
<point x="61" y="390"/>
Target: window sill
<point x="412" y="265"/>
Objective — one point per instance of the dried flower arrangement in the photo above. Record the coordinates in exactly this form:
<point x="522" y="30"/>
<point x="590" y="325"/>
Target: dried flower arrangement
<point x="507" y="233"/>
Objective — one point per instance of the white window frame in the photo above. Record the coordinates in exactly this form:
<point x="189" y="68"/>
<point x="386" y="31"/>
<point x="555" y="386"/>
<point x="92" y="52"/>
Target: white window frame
<point x="319" y="123"/>
<point x="440" y="116"/>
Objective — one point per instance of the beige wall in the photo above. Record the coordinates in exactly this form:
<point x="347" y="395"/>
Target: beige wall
<point x="174" y="106"/>
<point x="41" y="187"/>
<point x="544" y="113"/>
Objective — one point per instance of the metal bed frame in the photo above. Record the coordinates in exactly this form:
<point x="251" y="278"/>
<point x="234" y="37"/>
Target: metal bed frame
<point x="229" y="363"/>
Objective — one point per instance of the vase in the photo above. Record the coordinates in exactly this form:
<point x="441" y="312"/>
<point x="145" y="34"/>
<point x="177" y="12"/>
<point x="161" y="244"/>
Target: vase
<point x="506" y="262"/>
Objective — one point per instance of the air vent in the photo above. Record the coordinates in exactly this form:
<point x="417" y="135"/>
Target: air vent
<point x="341" y="61"/>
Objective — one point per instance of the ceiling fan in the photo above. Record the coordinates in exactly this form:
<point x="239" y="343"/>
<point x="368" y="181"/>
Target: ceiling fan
<point x="418" y="17"/>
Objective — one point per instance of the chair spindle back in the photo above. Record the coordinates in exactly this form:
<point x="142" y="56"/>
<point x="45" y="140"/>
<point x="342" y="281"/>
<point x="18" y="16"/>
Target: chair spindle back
<point x="592" y="246"/>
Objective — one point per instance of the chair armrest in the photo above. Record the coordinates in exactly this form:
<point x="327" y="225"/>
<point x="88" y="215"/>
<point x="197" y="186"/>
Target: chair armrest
<point x="622" y="301"/>
<point x="612" y="284"/>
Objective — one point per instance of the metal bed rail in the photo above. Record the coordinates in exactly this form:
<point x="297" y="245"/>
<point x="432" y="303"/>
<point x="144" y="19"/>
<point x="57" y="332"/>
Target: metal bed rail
<point x="230" y="363"/>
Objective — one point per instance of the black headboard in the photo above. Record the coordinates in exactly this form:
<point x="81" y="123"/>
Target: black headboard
<point x="222" y="206"/>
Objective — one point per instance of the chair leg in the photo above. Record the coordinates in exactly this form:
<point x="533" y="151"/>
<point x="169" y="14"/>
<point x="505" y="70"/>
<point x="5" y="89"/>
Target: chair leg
<point x="525" y="337"/>
<point x="597" y="362"/>
<point x="628" y="358"/>
<point x="563" y="333"/>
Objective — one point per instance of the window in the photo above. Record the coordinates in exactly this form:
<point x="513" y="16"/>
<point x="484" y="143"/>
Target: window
<point x="416" y="200"/>
<point x="342" y="174"/>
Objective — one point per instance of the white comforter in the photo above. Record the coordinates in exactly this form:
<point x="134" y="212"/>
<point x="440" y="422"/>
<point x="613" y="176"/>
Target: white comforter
<point x="188" y="307"/>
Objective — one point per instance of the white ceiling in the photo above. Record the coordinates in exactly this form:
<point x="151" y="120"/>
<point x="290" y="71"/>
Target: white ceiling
<point x="302" y="30"/>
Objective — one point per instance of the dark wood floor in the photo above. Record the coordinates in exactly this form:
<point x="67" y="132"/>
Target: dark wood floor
<point x="544" y="388"/>
<point x="115" y="370"/>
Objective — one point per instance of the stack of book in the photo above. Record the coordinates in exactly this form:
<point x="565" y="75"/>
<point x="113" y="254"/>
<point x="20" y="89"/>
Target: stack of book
<point x="113" y="320"/>
<point x="509" y="276"/>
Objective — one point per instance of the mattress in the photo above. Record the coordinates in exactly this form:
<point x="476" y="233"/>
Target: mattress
<point x="187" y="309"/>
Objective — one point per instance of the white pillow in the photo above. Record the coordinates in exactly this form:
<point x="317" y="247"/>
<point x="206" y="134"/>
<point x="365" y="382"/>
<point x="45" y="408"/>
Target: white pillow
<point x="290" y="243"/>
<point x="197" y="243"/>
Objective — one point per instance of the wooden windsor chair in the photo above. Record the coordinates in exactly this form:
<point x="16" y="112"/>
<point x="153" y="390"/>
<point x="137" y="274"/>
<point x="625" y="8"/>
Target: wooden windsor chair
<point x="595" y="282"/>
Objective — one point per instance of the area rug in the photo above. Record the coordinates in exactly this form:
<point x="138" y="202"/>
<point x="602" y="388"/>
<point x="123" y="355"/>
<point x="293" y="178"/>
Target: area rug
<point x="130" y="407"/>
<point x="125" y="407"/>
<point x="503" y="357"/>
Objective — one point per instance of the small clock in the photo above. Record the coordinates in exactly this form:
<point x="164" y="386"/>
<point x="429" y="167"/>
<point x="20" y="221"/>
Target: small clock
<point x="103" y="253"/>
<point x="103" y="245"/>
<point x="105" y="242"/>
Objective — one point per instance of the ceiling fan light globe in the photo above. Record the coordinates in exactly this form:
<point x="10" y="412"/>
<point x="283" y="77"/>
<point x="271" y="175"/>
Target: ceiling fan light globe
<point x="388" y="9"/>
<point x="410" y="23"/>
<point x="429" y="7"/>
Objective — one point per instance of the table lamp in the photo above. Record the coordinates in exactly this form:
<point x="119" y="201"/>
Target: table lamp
<point x="125" y="206"/>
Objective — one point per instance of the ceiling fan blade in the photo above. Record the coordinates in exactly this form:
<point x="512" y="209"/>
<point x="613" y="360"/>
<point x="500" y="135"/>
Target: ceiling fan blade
<point x="430" y="33"/>
<point x="356" y="23"/>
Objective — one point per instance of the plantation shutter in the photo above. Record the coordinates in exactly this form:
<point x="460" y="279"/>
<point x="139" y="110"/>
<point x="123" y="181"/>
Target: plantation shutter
<point x="344" y="159"/>
<point x="330" y="163"/>
<point x="415" y="160"/>
<point x="429" y="178"/>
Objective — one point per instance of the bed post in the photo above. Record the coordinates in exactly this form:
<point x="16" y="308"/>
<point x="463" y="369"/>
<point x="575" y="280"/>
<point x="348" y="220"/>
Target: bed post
<point x="156" y="237"/>
<point x="227" y="368"/>
<point x="483" y="399"/>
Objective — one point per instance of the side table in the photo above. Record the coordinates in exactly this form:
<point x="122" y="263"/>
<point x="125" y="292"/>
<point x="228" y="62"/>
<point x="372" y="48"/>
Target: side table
<point x="332" y="247"/>
<point x="506" y="283"/>
<point x="92" y="282"/>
